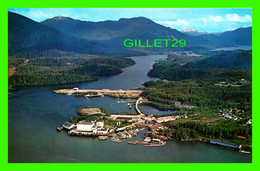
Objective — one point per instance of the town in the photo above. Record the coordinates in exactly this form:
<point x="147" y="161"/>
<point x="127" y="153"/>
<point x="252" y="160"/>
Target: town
<point x="135" y="122"/>
<point x="96" y="122"/>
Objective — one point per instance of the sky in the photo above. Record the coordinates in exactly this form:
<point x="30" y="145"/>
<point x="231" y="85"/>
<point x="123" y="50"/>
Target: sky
<point x="200" y="19"/>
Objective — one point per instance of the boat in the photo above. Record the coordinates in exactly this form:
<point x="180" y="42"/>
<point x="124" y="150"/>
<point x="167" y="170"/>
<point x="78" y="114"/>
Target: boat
<point x="59" y="128"/>
<point x="129" y="105"/>
<point x="116" y="139"/>
<point x="133" y="142"/>
<point x="102" y="138"/>
<point x="156" y="145"/>
<point x="243" y="151"/>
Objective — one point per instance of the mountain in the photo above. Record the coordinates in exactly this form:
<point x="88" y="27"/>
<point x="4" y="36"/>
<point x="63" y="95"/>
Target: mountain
<point x="60" y="35"/>
<point x="29" y="38"/>
<point x="193" y="32"/>
<point x="106" y="30"/>
<point x="80" y="29"/>
<point x="113" y="33"/>
<point x="228" y="59"/>
<point x="240" y="36"/>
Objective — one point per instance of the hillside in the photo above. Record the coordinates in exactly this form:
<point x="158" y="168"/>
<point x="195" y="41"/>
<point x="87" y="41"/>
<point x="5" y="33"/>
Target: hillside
<point x="240" y="36"/>
<point x="106" y="30"/>
<point x="62" y="70"/>
<point x="219" y="66"/>
<point x="28" y="38"/>
<point x="113" y="33"/>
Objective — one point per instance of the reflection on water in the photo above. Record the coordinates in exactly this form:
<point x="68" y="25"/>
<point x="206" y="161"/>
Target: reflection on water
<point x="240" y="47"/>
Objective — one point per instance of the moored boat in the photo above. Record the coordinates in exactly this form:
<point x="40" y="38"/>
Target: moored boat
<point x="102" y="138"/>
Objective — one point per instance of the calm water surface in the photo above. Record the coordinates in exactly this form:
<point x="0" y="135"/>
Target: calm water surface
<point x="35" y="112"/>
<point x="240" y="47"/>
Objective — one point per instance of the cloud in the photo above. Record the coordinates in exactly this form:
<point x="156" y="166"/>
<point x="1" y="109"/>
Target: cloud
<point x="38" y="14"/>
<point x="175" y="24"/>
<point x="236" y="17"/>
<point x="215" y="18"/>
<point x="228" y="17"/>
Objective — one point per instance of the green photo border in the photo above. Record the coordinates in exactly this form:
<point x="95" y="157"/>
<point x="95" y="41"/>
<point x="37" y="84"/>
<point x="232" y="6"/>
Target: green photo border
<point x="4" y="165"/>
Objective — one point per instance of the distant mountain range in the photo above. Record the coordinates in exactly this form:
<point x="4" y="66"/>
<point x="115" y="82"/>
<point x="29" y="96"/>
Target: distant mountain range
<point x="28" y="38"/>
<point x="240" y="36"/>
<point x="193" y="32"/>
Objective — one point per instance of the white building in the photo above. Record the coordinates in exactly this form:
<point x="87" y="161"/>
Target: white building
<point x="249" y="122"/>
<point x="85" y="126"/>
<point x="100" y="124"/>
<point x="103" y="131"/>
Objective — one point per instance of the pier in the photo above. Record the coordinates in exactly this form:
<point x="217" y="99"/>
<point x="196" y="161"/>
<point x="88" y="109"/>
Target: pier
<point x="101" y="92"/>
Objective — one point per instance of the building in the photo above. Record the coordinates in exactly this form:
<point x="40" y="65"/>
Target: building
<point x="103" y="131"/>
<point x="249" y="122"/>
<point x="228" y="116"/>
<point x="156" y="126"/>
<point x="125" y="117"/>
<point x="85" y="126"/>
<point x="100" y="124"/>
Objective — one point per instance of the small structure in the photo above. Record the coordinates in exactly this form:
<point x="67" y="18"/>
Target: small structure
<point x="249" y="122"/>
<point x="156" y="126"/>
<point x="125" y="117"/>
<point x="100" y="124"/>
<point x="243" y="81"/>
<point x="103" y="131"/>
<point x="68" y="125"/>
<point x="188" y="106"/>
<point x="184" y="116"/>
<point x="147" y="139"/>
<point x="241" y="137"/>
<point x="228" y="116"/>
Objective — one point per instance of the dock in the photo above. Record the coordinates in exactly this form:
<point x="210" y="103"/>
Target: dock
<point x="100" y="92"/>
<point x="225" y="144"/>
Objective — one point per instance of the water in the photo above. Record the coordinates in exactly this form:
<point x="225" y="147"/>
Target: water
<point x="35" y="112"/>
<point x="152" y="110"/>
<point x="240" y="47"/>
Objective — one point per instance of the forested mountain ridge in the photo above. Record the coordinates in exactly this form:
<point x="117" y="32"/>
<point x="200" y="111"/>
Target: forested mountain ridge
<point x="240" y="36"/>
<point x="59" y="35"/>
<point x="49" y="71"/>
<point x="28" y="38"/>
<point x="105" y="30"/>
<point x="220" y="65"/>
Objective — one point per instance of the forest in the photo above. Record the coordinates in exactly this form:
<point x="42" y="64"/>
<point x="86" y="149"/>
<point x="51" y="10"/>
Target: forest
<point x="224" y="129"/>
<point x="62" y="70"/>
<point x="201" y="94"/>
<point x="221" y="65"/>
